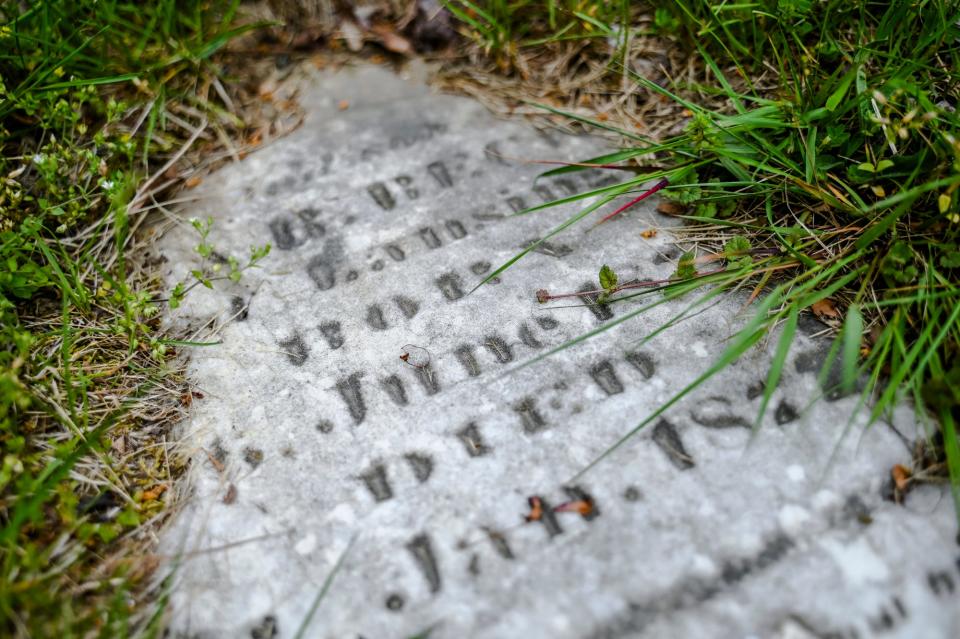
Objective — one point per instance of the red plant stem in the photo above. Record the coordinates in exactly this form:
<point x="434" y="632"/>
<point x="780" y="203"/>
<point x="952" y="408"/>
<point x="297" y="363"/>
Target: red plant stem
<point x="631" y="285"/>
<point x="656" y="187"/>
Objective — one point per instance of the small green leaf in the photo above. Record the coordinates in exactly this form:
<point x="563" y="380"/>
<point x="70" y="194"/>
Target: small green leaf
<point x="882" y="165"/>
<point x="686" y="269"/>
<point x="608" y="279"/>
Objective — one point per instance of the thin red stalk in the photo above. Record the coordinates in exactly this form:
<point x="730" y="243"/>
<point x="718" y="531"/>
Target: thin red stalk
<point x="656" y="187"/>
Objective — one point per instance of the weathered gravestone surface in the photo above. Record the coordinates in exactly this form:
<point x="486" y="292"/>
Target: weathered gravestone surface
<point x="313" y="431"/>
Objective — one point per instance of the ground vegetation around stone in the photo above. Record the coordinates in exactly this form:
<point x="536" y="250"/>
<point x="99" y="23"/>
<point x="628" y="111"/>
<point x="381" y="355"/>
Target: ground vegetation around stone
<point x="820" y="138"/>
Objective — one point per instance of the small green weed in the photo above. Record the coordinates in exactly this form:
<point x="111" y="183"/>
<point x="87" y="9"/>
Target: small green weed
<point x="94" y="96"/>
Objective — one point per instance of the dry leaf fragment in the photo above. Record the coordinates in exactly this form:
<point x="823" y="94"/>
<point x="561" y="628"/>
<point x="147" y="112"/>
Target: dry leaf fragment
<point x="826" y="310"/>
<point x="649" y="234"/>
<point x="668" y="207"/>
<point x="901" y="477"/>
<point x="155" y="492"/>
<point x="343" y="105"/>
<point x="231" y="495"/>
<point x="536" y="509"/>
<point x="391" y="40"/>
<point x="191" y="182"/>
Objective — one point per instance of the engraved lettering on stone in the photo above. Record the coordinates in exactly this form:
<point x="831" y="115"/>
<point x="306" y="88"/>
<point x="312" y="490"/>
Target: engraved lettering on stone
<point x="451" y="286"/>
<point x="464" y="354"/>
<point x="530" y="417"/>
<point x="321" y="271"/>
<point x="716" y="412"/>
<point x="499" y="348"/>
<point x="576" y="493"/>
<point x="377" y="483"/>
<point x="429" y="237"/>
<point x="439" y="172"/>
<point x="456" y="229"/>
<point x="407" y="306"/>
<point x="606" y="378"/>
<point x="499" y="543"/>
<point x="375" y="319"/>
<point x="548" y="248"/>
<point x="395" y="389"/>
<point x="422" y="552"/>
<point x="544" y="192"/>
<point x="284" y="238"/>
<point x="785" y="413"/>
<point x="473" y="441"/>
<point x="295" y="349"/>
<point x="642" y="362"/>
<point x="421" y="465"/>
<point x="395" y="252"/>
<point x="528" y="338"/>
<point x="352" y="395"/>
<point x="665" y="436"/>
<point x="381" y="195"/>
<point x="546" y="322"/>
<point x="331" y="332"/>
<point x="406" y="183"/>
<point x="428" y="379"/>
<point x="601" y="311"/>
<point x="516" y="203"/>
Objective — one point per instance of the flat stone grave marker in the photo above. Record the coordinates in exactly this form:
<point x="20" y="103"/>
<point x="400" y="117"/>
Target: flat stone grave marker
<point x="359" y="394"/>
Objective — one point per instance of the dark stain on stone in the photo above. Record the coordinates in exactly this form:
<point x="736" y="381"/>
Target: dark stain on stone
<point x="352" y="275"/>
<point x="666" y="437"/>
<point x="253" y="456"/>
<point x="642" y="362"/>
<point x="756" y="390"/>
<point x="377" y="265"/>
<point x="421" y="465"/>
<point x="352" y="395"/>
<point x="405" y="182"/>
<point x="632" y="493"/>
<point x="422" y="552"/>
<point x="295" y="349"/>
